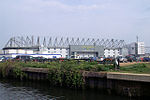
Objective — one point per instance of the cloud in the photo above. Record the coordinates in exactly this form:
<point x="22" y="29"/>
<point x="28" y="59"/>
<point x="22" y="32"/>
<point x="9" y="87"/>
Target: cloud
<point x="41" y="5"/>
<point x="116" y="18"/>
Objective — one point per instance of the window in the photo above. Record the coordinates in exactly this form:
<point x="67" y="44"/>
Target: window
<point x="54" y="51"/>
<point x="54" y="48"/>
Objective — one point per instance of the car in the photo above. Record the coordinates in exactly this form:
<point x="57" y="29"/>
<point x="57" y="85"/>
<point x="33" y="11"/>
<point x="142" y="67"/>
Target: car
<point x="100" y="59"/>
<point x="131" y="58"/>
<point x="23" y="58"/>
<point x="91" y="58"/>
<point x="38" y="59"/>
<point x="146" y="59"/>
<point x="122" y="59"/>
<point x="2" y="59"/>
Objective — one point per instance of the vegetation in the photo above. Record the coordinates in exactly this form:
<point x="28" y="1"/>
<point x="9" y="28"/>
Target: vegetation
<point x="143" y="68"/>
<point x="14" y="68"/>
<point x="68" y="73"/>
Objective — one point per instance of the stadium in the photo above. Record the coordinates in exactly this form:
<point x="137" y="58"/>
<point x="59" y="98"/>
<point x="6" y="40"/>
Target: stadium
<point x="55" y="47"/>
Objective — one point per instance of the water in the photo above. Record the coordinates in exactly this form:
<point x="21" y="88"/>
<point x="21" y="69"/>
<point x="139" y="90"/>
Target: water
<point x="17" y="90"/>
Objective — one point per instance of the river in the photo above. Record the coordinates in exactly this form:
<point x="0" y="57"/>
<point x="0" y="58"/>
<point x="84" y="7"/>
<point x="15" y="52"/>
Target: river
<point x="17" y="90"/>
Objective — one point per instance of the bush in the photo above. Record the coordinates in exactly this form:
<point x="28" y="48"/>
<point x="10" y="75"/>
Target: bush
<point x="66" y="75"/>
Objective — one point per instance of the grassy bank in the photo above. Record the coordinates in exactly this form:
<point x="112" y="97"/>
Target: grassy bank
<point x="62" y="73"/>
<point x="68" y="73"/>
<point x="140" y="68"/>
<point x="78" y="66"/>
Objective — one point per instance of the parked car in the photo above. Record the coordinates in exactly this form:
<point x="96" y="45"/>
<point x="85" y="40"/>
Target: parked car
<point x="146" y="59"/>
<point x="39" y="59"/>
<point x="131" y="58"/>
<point x="92" y="58"/>
<point x="100" y="59"/>
<point x="2" y="59"/>
<point x="108" y="59"/>
<point x="122" y="59"/>
<point x="23" y="58"/>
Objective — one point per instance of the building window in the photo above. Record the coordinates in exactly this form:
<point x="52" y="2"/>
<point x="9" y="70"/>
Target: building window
<point x="54" y="48"/>
<point x="48" y="51"/>
<point x="54" y="51"/>
<point x="60" y="48"/>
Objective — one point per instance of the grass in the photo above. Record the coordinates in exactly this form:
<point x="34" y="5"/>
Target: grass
<point x="141" y="68"/>
<point x="83" y="65"/>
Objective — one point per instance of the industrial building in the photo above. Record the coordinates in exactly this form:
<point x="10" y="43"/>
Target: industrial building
<point x="64" y="47"/>
<point x="136" y="48"/>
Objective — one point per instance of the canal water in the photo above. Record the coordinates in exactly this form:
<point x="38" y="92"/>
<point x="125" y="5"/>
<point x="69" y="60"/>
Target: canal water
<point x="17" y="90"/>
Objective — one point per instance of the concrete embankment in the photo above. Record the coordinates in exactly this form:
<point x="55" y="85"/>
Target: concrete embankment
<point x="129" y="77"/>
<point x="107" y="75"/>
<point x="126" y="84"/>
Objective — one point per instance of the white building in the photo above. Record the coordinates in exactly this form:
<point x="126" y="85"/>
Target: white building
<point x="136" y="48"/>
<point x="141" y="48"/>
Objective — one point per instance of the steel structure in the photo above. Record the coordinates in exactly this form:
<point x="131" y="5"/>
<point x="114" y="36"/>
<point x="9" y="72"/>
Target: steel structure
<point x="36" y="42"/>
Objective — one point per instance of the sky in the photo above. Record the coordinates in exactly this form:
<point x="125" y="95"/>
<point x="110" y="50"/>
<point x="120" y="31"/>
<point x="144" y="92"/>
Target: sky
<point x="118" y="19"/>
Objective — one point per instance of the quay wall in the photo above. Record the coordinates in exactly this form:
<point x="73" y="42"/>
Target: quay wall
<point x="125" y="84"/>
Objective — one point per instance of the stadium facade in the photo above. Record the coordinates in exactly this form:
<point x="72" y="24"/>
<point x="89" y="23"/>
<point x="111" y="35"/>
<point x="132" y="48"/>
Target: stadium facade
<point x="64" y="47"/>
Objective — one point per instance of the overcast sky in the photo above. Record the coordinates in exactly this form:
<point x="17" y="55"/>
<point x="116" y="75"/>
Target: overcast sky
<point x="119" y="19"/>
